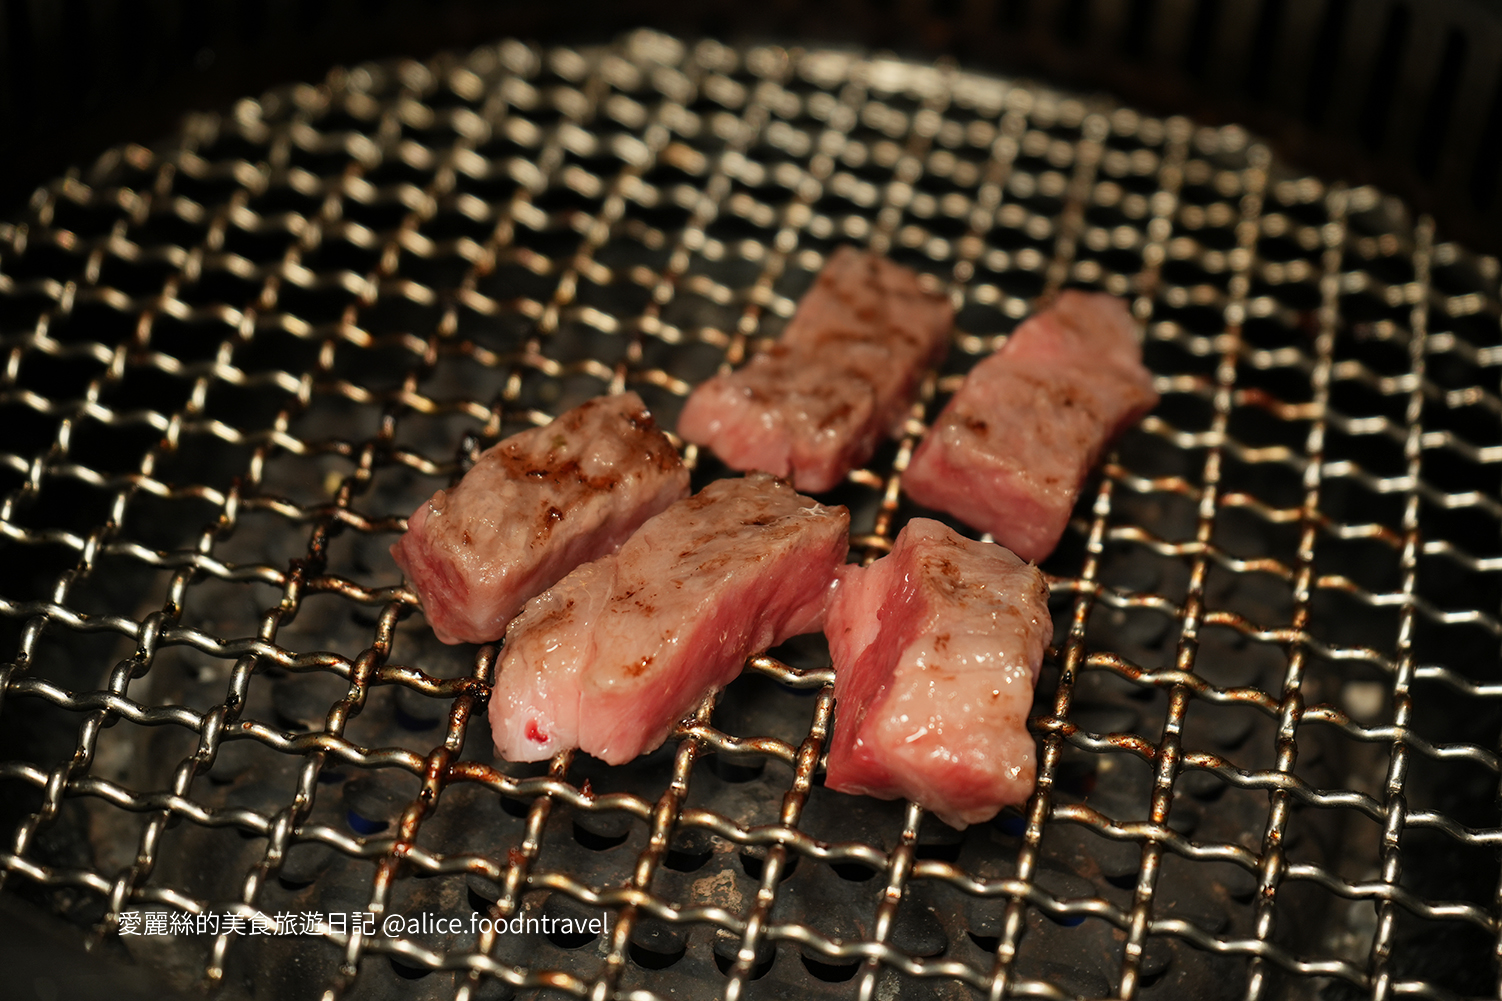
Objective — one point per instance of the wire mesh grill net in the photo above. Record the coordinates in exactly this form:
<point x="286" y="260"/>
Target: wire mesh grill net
<point x="1268" y="721"/>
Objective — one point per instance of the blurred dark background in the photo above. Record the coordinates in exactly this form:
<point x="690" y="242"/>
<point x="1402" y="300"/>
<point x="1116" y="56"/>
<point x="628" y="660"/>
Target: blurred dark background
<point x="1406" y="93"/>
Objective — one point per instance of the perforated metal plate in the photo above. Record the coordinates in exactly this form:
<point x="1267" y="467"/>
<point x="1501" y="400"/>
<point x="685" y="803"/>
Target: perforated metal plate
<point x="1269" y="719"/>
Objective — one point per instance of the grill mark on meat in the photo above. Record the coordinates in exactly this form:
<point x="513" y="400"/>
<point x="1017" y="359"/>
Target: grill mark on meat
<point x="698" y="501"/>
<point x="835" y="416"/>
<point x="557" y="614"/>
<point x="716" y="562"/>
<point x="642" y="606"/>
<point x="551" y="517"/>
<point x="563" y="472"/>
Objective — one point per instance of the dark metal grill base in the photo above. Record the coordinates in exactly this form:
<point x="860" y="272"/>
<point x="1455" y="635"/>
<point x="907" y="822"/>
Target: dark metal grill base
<point x="1269" y="720"/>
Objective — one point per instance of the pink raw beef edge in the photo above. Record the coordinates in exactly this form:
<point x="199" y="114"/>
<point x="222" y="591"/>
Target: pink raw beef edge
<point x="936" y="650"/>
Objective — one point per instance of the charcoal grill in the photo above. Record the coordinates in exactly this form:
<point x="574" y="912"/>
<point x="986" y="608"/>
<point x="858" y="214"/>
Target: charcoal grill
<point x="1268" y="722"/>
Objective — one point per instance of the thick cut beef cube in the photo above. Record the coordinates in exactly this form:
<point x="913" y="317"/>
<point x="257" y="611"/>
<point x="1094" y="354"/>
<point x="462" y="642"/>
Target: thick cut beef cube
<point x="818" y="402"/>
<point x="936" y="648"/>
<point x="531" y="509"/>
<point x="618" y="651"/>
<point x="1010" y="452"/>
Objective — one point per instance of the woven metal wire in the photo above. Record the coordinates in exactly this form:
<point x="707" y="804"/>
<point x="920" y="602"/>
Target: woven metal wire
<point x="233" y="364"/>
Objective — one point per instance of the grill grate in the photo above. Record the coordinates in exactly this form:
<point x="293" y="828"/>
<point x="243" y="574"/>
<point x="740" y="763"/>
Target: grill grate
<point x="1269" y="719"/>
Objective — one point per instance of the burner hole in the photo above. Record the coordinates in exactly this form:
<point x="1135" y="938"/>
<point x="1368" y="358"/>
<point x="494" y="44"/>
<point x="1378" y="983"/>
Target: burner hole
<point x="601" y="829"/>
<point x="233" y="759"/>
<point x="412" y="722"/>
<point x="657" y="944"/>
<point x="986" y="943"/>
<point x="515" y="807"/>
<point x="916" y="930"/>
<point x="372" y="801"/>
<point x="726" y="946"/>
<point x="330" y="778"/>
<point x="483" y="892"/>
<point x="407" y="972"/>
<point x="364" y="825"/>
<point x="946" y="852"/>
<point x="754" y="858"/>
<point x="1123" y="880"/>
<point x="937" y="840"/>
<point x="1207" y="787"/>
<point x="1242" y="891"/>
<point x="742" y="770"/>
<point x="479" y="904"/>
<point x="686" y="861"/>
<point x="416" y="711"/>
<point x="649" y="960"/>
<point x="570" y="939"/>
<point x="599" y="840"/>
<point x="569" y="923"/>
<point x="830" y="973"/>
<point x="689" y="850"/>
<point x="1076" y="777"/>
<point x="301" y="702"/>
<point x="303" y="863"/>
<point x="1011" y="823"/>
<point x="1157" y="957"/>
<point x="1184" y="818"/>
<point x="856" y="872"/>
<point x="1065" y="920"/>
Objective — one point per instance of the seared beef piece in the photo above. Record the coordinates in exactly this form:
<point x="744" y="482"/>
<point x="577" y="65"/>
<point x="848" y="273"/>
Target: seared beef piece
<point x="531" y="509"/>
<point x="613" y="655"/>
